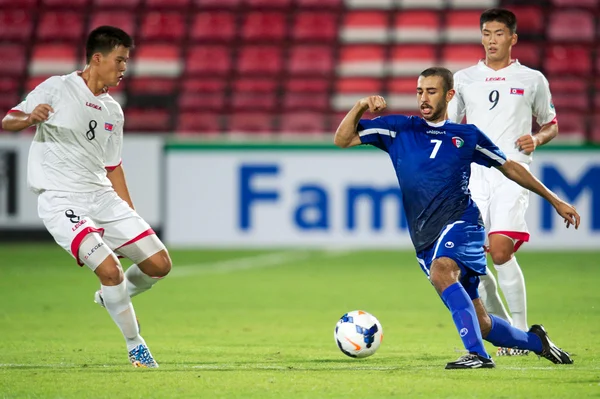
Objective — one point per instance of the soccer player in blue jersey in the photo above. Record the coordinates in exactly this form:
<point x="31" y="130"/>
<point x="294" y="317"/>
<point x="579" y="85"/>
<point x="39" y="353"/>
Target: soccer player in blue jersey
<point x="432" y="158"/>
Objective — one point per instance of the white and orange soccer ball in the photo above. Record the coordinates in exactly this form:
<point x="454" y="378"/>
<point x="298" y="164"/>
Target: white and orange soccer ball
<point x="358" y="334"/>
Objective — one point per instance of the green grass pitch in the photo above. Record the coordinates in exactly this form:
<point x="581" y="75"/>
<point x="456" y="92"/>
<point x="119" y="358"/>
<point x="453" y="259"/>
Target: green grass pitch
<point x="259" y="324"/>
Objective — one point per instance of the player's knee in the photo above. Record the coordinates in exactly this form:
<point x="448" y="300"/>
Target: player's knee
<point x="501" y="255"/>
<point x="163" y="264"/>
<point x="444" y="273"/>
<point x="110" y="272"/>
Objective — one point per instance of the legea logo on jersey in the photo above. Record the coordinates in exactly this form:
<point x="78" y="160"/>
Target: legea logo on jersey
<point x="518" y="92"/>
<point x="457" y="141"/>
<point x="108" y="126"/>
<point x="92" y="105"/>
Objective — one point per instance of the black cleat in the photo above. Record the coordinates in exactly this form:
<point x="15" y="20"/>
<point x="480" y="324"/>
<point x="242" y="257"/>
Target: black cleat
<point x="471" y="361"/>
<point x="549" y="350"/>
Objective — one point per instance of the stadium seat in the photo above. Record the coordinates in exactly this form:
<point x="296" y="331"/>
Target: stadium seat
<point x="209" y="84"/>
<point x="201" y="101"/>
<point x="256" y="60"/>
<point x="53" y="59"/>
<point x="305" y="101"/>
<point x="70" y="4"/>
<point x="123" y="19"/>
<point x="417" y="27"/>
<point x="534" y="27"/>
<point x="255" y="85"/>
<point x="57" y="26"/>
<point x="463" y="27"/>
<point x="306" y="85"/>
<point x="167" y="4"/>
<point x="362" y="60"/>
<point x="412" y="59"/>
<point x="15" y="25"/>
<point x="568" y="59"/>
<point x="199" y="121"/>
<point x="147" y="120"/>
<point x="571" y="25"/>
<point x="24" y="4"/>
<point x="247" y="101"/>
<point x="310" y="60"/>
<point x="255" y="122"/>
<point x="473" y="4"/>
<point x="571" y="125"/>
<point x="116" y="4"/>
<point x="162" y="26"/>
<point x="315" y="26"/>
<point x="303" y="123"/>
<point x="156" y="60"/>
<point x="10" y="94"/>
<point x="528" y="54"/>
<point x="456" y="57"/>
<point x="321" y="4"/>
<point x="366" y="86"/>
<point x="152" y="85"/>
<point x="370" y="4"/>
<point x="266" y="26"/>
<point x="575" y="3"/>
<point x="213" y="26"/>
<point x="421" y="4"/>
<point x="221" y="4"/>
<point x="268" y="3"/>
<point x="595" y="134"/>
<point x="575" y="100"/>
<point x="365" y="27"/>
<point x="208" y="60"/>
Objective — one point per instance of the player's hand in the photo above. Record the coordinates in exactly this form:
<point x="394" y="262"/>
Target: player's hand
<point x="375" y="104"/>
<point x="527" y="143"/>
<point x="40" y="114"/>
<point x="568" y="213"/>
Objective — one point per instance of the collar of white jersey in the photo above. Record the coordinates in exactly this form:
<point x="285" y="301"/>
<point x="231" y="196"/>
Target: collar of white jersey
<point x="77" y="76"/>
<point x="436" y="124"/>
<point x="483" y="65"/>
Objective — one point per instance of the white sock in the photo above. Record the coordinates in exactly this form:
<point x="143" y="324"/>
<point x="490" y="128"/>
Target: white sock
<point x="488" y="291"/>
<point x="118" y="304"/>
<point x="512" y="283"/>
<point x="138" y="281"/>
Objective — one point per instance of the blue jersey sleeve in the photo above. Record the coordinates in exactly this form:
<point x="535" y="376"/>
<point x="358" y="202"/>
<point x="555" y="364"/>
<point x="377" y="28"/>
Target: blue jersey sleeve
<point x="486" y="152"/>
<point x="380" y="131"/>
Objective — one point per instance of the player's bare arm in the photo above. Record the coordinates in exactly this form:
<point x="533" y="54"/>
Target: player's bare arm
<point x="346" y="134"/>
<point x="117" y="178"/>
<point x="16" y="121"/>
<point x="529" y="142"/>
<point x="517" y="173"/>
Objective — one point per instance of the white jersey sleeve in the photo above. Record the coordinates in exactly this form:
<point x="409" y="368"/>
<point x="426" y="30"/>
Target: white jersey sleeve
<point x="543" y="108"/>
<point x="456" y="108"/>
<point x="45" y="93"/>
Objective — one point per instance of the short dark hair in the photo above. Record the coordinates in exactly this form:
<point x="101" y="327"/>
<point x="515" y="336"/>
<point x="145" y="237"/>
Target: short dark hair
<point x="499" y="15"/>
<point x="105" y="39"/>
<point x="444" y="73"/>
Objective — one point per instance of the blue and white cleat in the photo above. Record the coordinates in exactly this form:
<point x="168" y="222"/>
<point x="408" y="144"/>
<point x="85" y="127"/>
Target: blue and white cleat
<point x="140" y="356"/>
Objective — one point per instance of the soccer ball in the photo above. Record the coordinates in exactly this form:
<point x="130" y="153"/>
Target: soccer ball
<point x="358" y="334"/>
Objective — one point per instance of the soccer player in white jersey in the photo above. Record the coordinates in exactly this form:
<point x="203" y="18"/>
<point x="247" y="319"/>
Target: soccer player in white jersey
<point x="75" y="168"/>
<point x="500" y="96"/>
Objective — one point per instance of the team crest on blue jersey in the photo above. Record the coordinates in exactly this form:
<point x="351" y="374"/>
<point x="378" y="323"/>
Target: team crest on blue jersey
<point x="457" y="141"/>
<point x="108" y="126"/>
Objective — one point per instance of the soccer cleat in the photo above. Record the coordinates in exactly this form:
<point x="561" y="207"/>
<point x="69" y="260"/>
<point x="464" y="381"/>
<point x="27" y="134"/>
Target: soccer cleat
<point x="512" y="352"/>
<point x="100" y="301"/>
<point x="471" y="361"/>
<point x="140" y="356"/>
<point x="549" y="350"/>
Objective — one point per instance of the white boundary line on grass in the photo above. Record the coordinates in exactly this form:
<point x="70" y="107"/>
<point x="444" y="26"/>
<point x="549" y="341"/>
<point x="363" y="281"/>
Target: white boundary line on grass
<point x="272" y="259"/>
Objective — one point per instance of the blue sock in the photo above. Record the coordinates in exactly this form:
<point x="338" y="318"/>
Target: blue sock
<point x="504" y="335"/>
<point x="463" y="313"/>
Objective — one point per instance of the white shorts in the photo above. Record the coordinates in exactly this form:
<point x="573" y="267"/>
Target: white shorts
<point x="502" y="202"/>
<point x="69" y="217"/>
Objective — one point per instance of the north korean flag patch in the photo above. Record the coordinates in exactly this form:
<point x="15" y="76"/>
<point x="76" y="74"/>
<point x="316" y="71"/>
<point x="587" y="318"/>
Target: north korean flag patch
<point x="516" y="91"/>
<point x="108" y="126"/>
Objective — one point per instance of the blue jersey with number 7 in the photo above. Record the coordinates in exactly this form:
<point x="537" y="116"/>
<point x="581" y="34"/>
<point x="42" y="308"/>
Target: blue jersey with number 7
<point x="433" y="166"/>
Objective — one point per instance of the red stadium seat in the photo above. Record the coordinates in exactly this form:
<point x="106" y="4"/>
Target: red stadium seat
<point x="117" y="4"/>
<point x="264" y="60"/>
<point x="463" y="26"/>
<point x="359" y="85"/>
<point x="467" y="4"/>
<point x="15" y="25"/>
<point x="54" y="26"/>
<point x="53" y="59"/>
<point x="147" y="120"/>
<point x="571" y="25"/>
<point x="204" y="85"/>
<point x="245" y="101"/>
<point x="403" y="85"/>
<point x="306" y="101"/>
<point x="303" y="123"/>
<point x="10" y="94"/>
<point x="70" y="4"/>
<point x="568" y="59"/>
<point x="199" y="122"/>
<point x="318" y="26"/>
<point x="268" y="3"/>
<point x="152" y="85"/>
<point x="310" y="60"/>
<point x="250" y="122"/>
<point x="156" y="60"/>
<point x="417" y="26"/>
<point x="307" y="85"/>
<point x="198" y="101"/>
<point x="268" y="26"/>
<point x="123" y="19"/>
<point x="254" y="85"/>
<point x="222" y="4"/>
<point x="365" y="27"/>
<point x="362" y="61"/>
<point x="163" y="26"/>
<point x="412" y="59"/>
<point x="534" y="17"/>
<point x="571" y="125"/>
<point x="24" y="4"/>
<point x="167" y="4"/>
<point x="595" y="138"/>
<point x="417" y="4"/>
<point x="319" y="3"/>
<point x="528" y="54"/>
<point x="575" y="3"/>
<point x="209" y="60"/>
<point x="456" y="57"/>
<point x="213" y="26"/>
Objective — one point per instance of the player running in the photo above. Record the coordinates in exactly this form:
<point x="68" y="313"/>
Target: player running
<point x="432" y="158"/>
<point x="499" y="96"/>
<point x="75" y="168"/>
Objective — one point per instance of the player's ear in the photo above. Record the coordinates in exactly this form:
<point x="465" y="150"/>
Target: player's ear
<point x="515" y="39"/>
<point x="450" y="94"/>
<point x="96" y="58"/>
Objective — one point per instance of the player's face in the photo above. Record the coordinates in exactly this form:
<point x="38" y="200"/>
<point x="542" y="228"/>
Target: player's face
<point x="497" y="40"/>
<point x="431" y="98"/>
<point x="112" y="66"/>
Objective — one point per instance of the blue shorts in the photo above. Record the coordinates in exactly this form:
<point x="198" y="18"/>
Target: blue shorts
<point x="463" y="243"/>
